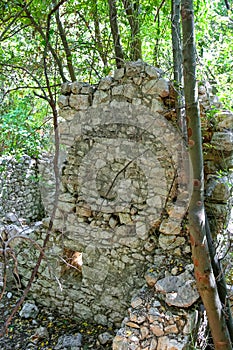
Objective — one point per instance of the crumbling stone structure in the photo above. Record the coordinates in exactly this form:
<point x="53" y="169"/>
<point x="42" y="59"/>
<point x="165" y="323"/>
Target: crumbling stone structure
<point x="19" y="188"/>
<point x="120" y="247"/>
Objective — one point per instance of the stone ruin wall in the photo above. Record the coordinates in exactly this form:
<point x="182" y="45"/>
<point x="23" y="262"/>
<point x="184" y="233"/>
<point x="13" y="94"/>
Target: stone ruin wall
<point x="121" y="213"/>
<point x="19" y="190"/>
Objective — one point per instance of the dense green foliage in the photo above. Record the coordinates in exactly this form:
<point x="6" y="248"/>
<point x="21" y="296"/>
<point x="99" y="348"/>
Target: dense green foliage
<point x="214" y="35"/>
<point x="41" y="48"/>
<point x="23" y="129"/>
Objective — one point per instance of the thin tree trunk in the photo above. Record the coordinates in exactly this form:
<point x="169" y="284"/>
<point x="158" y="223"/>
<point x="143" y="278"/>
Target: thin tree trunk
<point x="98" y="39"/>
<point x="51" y="49"/>
<point x="220" y="280"/>
<point x="158" y="34"/>
<point x="204" y="275"/>
<point x="132" y="11"/>
<point x="65" y="45"/>
<point x="115" y="33"/>
<point x="178" y="67"/>
<point x="52" y="103"/>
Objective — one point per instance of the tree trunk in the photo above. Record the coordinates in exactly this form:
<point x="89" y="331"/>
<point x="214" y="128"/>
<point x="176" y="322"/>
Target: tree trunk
<point x="115" y="33"/>
<point x="65" y="44"/>
<point x="205" y="279"/>
<point x="220" y="280"/>
<point x="98" y="40"/>
<point x="132" y="11"/>
<point x="177" y="67"/>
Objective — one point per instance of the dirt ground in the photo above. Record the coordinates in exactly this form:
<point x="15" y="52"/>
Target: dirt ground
<point x="23" y="333"/>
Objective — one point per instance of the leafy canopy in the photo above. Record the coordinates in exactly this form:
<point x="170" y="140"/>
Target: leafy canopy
<point x="38" y="47"/>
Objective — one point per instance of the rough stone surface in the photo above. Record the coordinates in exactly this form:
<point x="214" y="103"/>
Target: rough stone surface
<point x="120" y="219"/>
<point x="105" y="338"/>
<point x="224" y="120"/>
<point x="69" y="342"/>
<point x="165" y="343"/>
<point x="114" y="185"/>
<point x="223" y="141"/>
<point x="151" y="324"/>
<point x="29" y="310"/>
<point x="180" y="290"/>
<point x="19" y="189"/>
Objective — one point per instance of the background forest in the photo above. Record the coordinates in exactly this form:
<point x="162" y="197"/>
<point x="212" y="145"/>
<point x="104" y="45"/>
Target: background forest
<point x="45" y="43"/>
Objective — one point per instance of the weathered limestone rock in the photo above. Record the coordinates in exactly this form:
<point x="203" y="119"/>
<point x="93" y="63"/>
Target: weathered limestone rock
<point x="170" y="227"/>
<point x="168" y="242"/>
<point x="157" y="106"/>
<point x="126" y="90"/>
<point x="67" y="113"/>
<point x="223" y="141"/>
<point x="101" y="97"/>
<point x="19" y="188"/>
<point x="224" y="120"/>
<point x="157" y="329"/>
<point x="105" y="83"/>
<point x="180" y="290"/>
<point x="134" y="68"/>
<point x="66" y="88"/>
<point x="119" y="73"/>
<point x="120" y="343"/>
<point x="29" y="310"/>
<point x="105" y="338"/>
<point x="218" y="189"/>
<point x="151" y="325"/>
<point x="76" y="87"/>
<point x="66" y="342"/>
<point x="79" y="102"/>
<point x="152" y="72"/>
<point x="63" y="101"/>
<point x="159" y="87"/>
<point x="40" y="333"/>
<point x="166" y="343"/>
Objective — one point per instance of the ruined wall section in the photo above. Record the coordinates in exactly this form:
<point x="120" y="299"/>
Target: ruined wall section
<point x="120" y="237"/>
<point x="19" y="188"/>
<point x="123" y="192"/>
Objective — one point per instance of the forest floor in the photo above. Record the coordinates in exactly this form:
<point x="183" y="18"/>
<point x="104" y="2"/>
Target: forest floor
<point x="23" y="333"/>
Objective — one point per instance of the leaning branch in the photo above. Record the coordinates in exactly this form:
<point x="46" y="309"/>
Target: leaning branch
<point x="52" y="104"/>
<point x="43" y="35"/>
<point x="18" y="14"/>
<point x="203" y="271"/>
<point x="65" y="44"/>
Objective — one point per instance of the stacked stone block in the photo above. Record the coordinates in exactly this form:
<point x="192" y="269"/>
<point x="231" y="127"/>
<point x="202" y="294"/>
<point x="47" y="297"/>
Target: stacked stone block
<point x="19" y="188"/>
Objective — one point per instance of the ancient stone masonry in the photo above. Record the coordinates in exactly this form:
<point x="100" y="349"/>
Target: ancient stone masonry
<point x="124" y="194"/>
<point x="119" y="251"/>
<point x="218" y="161"/>
<point x="19" y="188"/>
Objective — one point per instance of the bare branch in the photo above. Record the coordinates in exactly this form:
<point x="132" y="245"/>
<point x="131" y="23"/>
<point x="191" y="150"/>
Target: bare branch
<point x="13" y="32"/>
<point x="43" y="35"/>
<point x="227" y="4"/>
<point x="28" y="72"/>
<point x="52" y="104"/>
<point x="13" y="21"/>
<point x="55" y="8"/>
<point x="98" y="40"/>
<point x="158" y="10"/>
<point x="29" y="87"/>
